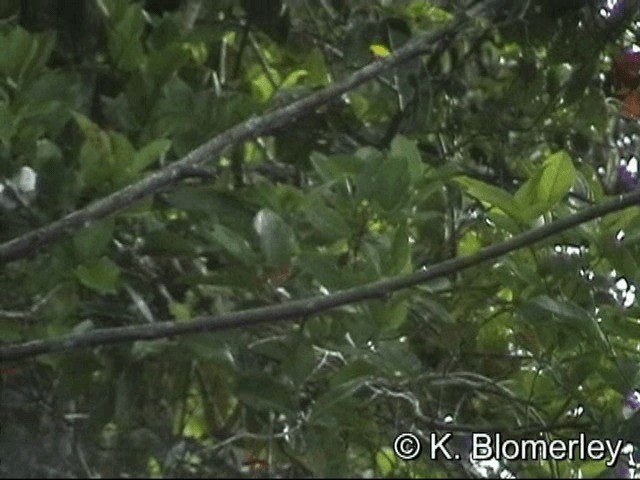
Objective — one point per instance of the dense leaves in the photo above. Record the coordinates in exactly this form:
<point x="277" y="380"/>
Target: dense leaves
<point x="513" y="125"/>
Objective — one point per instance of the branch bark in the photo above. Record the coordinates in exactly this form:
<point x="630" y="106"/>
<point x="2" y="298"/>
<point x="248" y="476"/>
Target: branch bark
<point x="433" y="43"/>
<point x="314" y="305"/>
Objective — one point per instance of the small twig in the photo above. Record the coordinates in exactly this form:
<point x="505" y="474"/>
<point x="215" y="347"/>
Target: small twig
<point x="27" y="315"/>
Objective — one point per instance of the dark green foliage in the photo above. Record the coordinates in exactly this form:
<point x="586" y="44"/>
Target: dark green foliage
<point x="509" y="127"/>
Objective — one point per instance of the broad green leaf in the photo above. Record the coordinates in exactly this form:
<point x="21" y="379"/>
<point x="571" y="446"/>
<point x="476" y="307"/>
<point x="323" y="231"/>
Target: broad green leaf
<point x="546" y="187"/>
<point x="325" y="220"/>
<point x="390" y="315"/>
<point x="233" y="243"/>
<point x="357" y="369"/>
<point x="402" y="147"/>
<point x="24" y="54"/>
<point x="262" y="392"/>
<point x="399" y="259"/>
<point x="101" y="276"/>
<point x="148" y="154"/>
<point x="336" y="166"/>
<point x="324" y="269"/>
<point x="208" y="348"/>
<point x="386" y="461"/>
<point x="123" y="39"/>
<point x="489" y="194"/>
<point x="299" y="362"/>
<point x="385" y="181"/>
<point x="558" y="175"/>
<point x="469" y="243"/>
<point x="575" y="316"/>
<point x="92" y="241"/>
<point x="314" y="64"/>
<point x="333" y="397"/>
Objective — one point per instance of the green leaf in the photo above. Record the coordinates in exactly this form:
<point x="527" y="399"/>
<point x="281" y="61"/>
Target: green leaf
<point x="332" y="398"/>
<point x="123" y="39"/>
<point x="386" y="461"/>
<point x="180" y="311"/>
<point x="314" y="64"/>
<point x="336" y="166"/>
<point x="547" y="187"/>
<point x="402" y="147"/>
<point x="24" y="54"/>
<point x="385" y="181"/>
<point x="325" y="220"/>
<point x="208" y="347"/>
<point x="299" y="361"/>
<point x="469" y="243"/>
<point x="101" y="276"/>
<point x="565" y="311"/>
<point x="148" y="154"/>
<point x="489" y="194"/>
<point x="399" y="258"/>
<point x="390" y="315"/>
<point x="92" y="241"/>
<point x="262" y="392"/>
<point x="293" y="78"/>
<point x="233" y="243"/>
<point x="277" y="239"/>
<point x="558" y="175"/>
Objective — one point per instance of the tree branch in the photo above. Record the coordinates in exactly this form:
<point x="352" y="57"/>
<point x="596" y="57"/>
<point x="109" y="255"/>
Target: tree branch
<point x="434" y="43"/>
<point x="314" y="305"/>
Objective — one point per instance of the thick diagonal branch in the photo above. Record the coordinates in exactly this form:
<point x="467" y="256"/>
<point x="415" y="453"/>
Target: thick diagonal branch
<point x="314" y="305"/>
<point x="433" y="43"/>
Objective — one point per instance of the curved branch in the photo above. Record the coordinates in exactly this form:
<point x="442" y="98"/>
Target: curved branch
<point x="433" y="43"/>
<point x="314" y="305"/>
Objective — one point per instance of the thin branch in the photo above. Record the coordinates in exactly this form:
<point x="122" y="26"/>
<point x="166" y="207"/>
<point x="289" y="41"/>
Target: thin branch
<point x="314" y="305"/>
<point x="434" y="43"/>
<point x="263" y="61"/>
<point x="27" y="315"/>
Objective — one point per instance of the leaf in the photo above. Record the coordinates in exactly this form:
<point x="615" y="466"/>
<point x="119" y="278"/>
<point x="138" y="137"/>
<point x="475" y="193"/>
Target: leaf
<point x="489" y="194"/>
<point x="123" y="39"/>
<point x="336" y="166"/>
<point x="294" y="78"/>
<point x="583" y="323"/>
<point x="402" y="147"/>
<point x="262" y="392"/>
<point x="557" y="178"/>
<point x="148" y="154"/>
<point x="299" y="362"/>
<point x="333" y="397"/>
<point x="208" y="347"/>
<point x="390" y="315"/>
<point x="385" y="181"/>
<point x="325" y="220"/>
<point x="386" y="461"/>
<point x="92" y="241"/>
<point x="277" y="239"/>
<point x="180" y="311"/>
<point x="101" y="276"/>
<point x="399" y="258"/>
<point x="233" y="243"/>
<point x="469" y="243"/>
